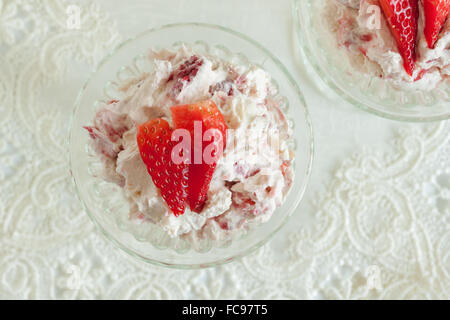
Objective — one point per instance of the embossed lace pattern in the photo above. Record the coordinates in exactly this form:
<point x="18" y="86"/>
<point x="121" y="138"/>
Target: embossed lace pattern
<point x="381" y="229"/>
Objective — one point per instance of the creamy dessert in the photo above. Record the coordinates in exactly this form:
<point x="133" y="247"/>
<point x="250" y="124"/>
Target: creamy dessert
<point x="406" y="42"/>
<point x="140" y="140"/>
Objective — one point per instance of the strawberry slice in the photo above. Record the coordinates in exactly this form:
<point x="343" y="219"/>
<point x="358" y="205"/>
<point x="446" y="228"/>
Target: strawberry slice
<point x="402" y="17"/>
<point x="436" y="12"/>
<point x="155" y="147"/>
<point x="200" y="172"/>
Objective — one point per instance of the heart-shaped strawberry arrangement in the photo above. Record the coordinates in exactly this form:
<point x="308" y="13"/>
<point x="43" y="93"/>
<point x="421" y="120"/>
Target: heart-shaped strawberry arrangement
<point x="182" y="170"/>
<point x="402" y="17"/>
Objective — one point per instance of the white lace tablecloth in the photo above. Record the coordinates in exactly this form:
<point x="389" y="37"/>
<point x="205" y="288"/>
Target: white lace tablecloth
<point x="375" y="222"/>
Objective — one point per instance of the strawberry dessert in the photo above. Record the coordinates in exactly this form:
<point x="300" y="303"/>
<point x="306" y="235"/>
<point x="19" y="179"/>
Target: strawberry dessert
<point x="406" y="42"/>
<point x="199" y="145"/>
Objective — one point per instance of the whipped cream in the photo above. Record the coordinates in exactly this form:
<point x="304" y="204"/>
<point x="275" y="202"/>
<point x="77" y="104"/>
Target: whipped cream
<point x="355" y="24"/>
<point x="254" y="173"/>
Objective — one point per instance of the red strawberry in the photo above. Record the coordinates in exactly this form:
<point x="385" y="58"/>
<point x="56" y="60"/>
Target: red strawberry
<point x="155" y="147"/>
<point x="436" y="12"/>
<point x="402" y="17"/>
<point x="200" y="174"/>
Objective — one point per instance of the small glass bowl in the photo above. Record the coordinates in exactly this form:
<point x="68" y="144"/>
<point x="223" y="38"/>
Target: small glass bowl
<point x="104" y="202"/>
<point x="334" y="66"/>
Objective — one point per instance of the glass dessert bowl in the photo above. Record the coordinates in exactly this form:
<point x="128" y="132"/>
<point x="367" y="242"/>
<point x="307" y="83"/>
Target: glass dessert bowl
<point x="355" y="76"/>
<point x="106" y="203"/>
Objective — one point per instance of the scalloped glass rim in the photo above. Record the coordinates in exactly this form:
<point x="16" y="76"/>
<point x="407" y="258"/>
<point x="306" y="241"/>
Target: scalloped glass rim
<point x="343" y="90"/>
<point x="309" y="147"/>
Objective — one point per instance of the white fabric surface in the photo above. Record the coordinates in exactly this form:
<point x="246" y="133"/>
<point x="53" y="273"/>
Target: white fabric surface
<point x="375" y="221"/>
